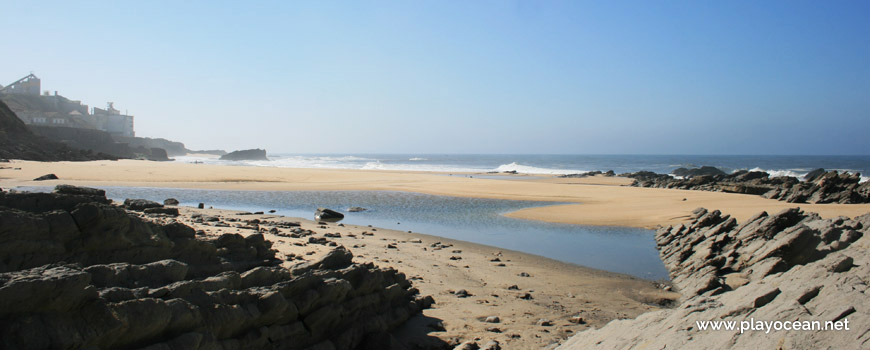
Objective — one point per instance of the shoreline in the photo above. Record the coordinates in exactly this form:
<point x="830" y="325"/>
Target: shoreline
<point x="596" y="201"/>
<point x="561" y="293"/>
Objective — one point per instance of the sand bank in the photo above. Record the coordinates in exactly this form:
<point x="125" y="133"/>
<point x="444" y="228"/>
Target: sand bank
<point x="605" y="201"/>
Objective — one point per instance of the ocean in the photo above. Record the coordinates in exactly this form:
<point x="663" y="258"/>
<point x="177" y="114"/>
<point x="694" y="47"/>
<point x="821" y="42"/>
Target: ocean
<point x="557" y="164"/>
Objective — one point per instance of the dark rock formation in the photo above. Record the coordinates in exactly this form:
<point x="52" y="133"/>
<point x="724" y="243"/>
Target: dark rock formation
<point x="704" y="170"/>
<point x="820" y="186"/>
<point x="170" y="201"/>
<point x="17" y="141"/>
<point x="78" y="273"/>
<point x="46" y="177"/>
<point x="158" y="154"/>
<point x="248" y="154"/>
<point x="327" y="215"/>
<point x="140" y="204"/>
<point x="789" y="266"/>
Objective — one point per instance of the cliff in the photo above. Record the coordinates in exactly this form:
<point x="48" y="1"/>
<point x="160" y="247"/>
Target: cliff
<point x="18" y="142"/>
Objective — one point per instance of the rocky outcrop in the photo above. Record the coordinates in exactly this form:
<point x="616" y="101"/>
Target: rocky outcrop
<point x="248" y="154"/>
<point x="819" y="186"/>
<point x="791" y="266"/>
<point x="17" y="141"/>
<point x="327" y="215"/>
<point x="80" y="273"/>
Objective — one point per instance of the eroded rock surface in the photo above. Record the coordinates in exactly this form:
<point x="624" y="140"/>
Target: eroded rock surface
<point x="77" y="272"/>
<point x="819" y="186"/>
<point x="785" y="267"/>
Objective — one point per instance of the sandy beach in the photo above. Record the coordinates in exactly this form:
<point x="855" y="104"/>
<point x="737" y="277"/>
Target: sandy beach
<point x="605" y="201"/>
<point x="537" y="301"/>
<point x="519" y="289"/>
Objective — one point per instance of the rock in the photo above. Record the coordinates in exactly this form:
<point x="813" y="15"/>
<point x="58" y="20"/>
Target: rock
<point x="249" y="154"/>
<point x="170" y="201"/>
<point x="819" y="187"/>
<point x="201" y="206"/>
<point x="468" y="345"/>
<point x="46" y="177"/>
<point x="492" y="345"/>
<point x="492" y="319"/>
<point x="162" y="210"/>
<point x="524" y="274"/>
<point x="356" y="209"/>
<point x="327" y="215"/>
<point x="815" y="174"/>
<point x="702" y="171"/>
<point x="140" y="204"/>
<point x="577" y="320"/>
<point x="544" y="322"/>
<point x="158" y="155"/>
<point x="79" y="191"/>
<point x="770" y="267"/>
<point x="77" y="273"/>
<point x="462" y="293"/>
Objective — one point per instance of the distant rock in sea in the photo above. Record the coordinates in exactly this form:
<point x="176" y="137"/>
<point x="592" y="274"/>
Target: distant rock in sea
<point x="248" y="154"/>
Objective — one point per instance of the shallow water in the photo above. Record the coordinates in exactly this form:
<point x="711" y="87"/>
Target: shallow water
<point x="618" y="249"/>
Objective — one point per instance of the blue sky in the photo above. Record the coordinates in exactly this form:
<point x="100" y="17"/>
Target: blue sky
<point x="588" y="77"/>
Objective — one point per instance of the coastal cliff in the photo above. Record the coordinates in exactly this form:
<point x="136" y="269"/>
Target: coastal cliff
<point x="792" y="266"/>
<point x="18" y="142"/>
<point x="79" y="272"/>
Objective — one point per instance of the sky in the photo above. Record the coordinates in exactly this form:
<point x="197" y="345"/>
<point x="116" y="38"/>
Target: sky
<point x="502" y="77"/>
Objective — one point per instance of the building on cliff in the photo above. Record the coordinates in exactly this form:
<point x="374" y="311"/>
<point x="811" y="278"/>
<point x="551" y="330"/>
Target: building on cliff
<point x="23" y="97"/>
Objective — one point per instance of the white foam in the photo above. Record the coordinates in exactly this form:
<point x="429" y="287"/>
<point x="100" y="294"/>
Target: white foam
<point x="417" y="159"/>
<point x="778" y="173"/>
<point x="864" y="179"/>
<point x="525" y="169"/>
<point x="442" y="168"/>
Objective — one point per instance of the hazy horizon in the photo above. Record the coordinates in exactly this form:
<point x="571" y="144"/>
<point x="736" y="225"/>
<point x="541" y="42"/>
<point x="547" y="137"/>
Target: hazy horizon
<point x="499" y="77"/>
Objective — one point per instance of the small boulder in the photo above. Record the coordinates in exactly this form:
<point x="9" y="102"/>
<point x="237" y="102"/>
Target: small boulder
<point x="492" y="319"/>
<point x="46" y="177"/>
<point x="327" y="215"/>
<point x="170" y="201"/>
<point x="544" y="322"/>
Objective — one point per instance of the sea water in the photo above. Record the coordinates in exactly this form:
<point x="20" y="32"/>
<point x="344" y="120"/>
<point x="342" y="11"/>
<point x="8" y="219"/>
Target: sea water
<point x="618" y="249"/>
<point x="790" y="165"/>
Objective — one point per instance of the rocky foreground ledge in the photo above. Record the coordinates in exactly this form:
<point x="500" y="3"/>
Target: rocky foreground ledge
<point x="791" y="266"/>
<point x="77" y="272"/>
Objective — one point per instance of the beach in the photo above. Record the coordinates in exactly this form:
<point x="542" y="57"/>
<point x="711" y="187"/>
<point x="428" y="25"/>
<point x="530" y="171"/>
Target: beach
<point x="536" y="301"/>
<point x="519" y="289"/>
<point x="605" y="201"/>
